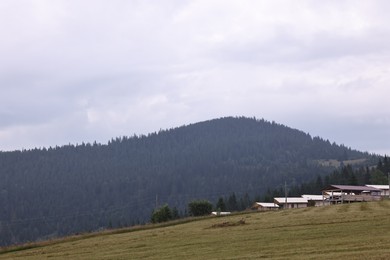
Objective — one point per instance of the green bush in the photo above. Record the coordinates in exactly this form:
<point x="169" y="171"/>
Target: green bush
<point x="200" y="208"/>
<point x="162" y="214"/>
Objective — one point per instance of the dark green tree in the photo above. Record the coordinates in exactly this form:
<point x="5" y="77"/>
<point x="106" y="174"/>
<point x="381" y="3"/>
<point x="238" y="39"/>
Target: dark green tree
<point x="378" y="177"/>
<point x="232" y="204"/>
<point x="175" y="213"/>
<point x="220" y="206"/>
<point x="385" y="165"/>
<point x="162" y="214"/>
<point x="319" y="183"/>
<point x="199" y="208"/>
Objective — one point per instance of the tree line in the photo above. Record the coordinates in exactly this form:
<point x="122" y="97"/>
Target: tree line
<point x="57" y="191"/>
<point x="346" y="175"/>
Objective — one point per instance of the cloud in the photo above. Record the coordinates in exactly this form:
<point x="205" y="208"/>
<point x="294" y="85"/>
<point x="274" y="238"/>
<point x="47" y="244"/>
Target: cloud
<point x="74" y="71"/>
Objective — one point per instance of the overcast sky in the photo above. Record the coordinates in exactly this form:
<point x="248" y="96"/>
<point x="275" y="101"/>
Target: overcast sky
<point x="86" y="70"/>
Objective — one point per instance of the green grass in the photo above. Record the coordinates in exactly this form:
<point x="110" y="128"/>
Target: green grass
<point x="352" y="231"/>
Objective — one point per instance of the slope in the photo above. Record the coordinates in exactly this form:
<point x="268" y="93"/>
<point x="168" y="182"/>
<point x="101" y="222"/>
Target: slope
<point x="349" y="231"/>
<point x="46" y="193"/>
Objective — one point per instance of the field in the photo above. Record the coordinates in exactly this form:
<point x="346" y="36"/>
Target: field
<point x="350" y="231"/>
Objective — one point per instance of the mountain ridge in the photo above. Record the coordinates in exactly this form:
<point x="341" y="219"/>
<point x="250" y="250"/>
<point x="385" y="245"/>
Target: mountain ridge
<point x="58" y="191"/>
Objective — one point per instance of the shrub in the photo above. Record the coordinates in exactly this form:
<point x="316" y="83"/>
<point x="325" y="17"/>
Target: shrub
<point x="162" y="214"/>
<point x="200" y="208"/>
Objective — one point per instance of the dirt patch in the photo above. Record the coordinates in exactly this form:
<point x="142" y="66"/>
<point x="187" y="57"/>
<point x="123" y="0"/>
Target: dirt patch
<point x="229" y="224"/>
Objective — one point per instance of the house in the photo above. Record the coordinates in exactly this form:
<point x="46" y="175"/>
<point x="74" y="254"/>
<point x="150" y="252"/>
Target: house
<point x="317" y="200"/>
<point x="384" y="189"/>
<point x="292" y="202"/>
<point x="349" y="193"/>
<point x="265" y="206"/>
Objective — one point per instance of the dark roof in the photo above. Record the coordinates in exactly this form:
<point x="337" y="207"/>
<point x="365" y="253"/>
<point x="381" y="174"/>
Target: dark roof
<point x="350" y="188"/>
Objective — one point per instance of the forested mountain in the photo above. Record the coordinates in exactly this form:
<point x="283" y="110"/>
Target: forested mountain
<point x="58" y="191"/>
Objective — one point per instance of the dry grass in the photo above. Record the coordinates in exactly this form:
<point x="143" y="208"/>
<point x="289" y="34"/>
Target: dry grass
<point x="354" y="231"/>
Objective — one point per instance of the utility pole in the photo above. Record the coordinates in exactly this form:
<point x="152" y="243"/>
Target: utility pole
<point x="285" y="194"/>
<point x="156" y="201"/>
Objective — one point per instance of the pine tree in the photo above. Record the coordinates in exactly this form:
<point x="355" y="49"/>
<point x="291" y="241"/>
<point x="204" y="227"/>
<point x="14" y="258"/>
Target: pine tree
<point x="232" y="202"/>
<point x="220" y="206"/>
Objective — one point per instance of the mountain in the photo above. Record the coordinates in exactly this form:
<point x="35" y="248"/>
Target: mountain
<point x="57" y="191"/>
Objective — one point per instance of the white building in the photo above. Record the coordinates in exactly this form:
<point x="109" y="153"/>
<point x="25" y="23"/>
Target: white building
<point x="220" y="213"/>
<point x="384" y="189"/>
<point x="265" y="206"/>
<point x="316" y="200"/>
<point x="292" y="202"/>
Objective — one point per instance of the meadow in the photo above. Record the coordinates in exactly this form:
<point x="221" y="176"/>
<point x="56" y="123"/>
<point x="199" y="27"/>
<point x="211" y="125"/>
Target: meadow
<point x="349" y="231"/>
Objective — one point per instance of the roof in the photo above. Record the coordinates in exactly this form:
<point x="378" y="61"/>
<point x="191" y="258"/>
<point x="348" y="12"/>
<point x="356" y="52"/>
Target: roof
<point x="381" y="187"/>
<point x="333" y="193"/>
<point x="313" y="197"/>
<point x="350" y="188"/>
<point x="267" y="204"/>
<point x="290" y="200"/>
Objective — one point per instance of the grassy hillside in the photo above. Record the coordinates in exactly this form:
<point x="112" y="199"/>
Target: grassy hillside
<point x="351" y="231"/>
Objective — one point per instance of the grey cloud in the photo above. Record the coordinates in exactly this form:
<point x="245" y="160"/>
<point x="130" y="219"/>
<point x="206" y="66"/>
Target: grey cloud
<point x="74" y="71"/>
<point x="286" y="47"/>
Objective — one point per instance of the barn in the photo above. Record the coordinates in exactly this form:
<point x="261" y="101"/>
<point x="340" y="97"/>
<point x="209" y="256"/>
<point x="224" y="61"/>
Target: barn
<point x="349" y="193"/>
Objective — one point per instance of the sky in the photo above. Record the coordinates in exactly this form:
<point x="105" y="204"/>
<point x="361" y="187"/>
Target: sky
<point x="74" y="71"/>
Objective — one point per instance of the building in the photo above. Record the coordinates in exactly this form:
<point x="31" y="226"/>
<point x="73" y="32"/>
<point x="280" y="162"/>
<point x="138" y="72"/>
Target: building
<point x="265" y="206"/>
<point x="292" y="202"/>
<point x="220" y="213"/>
<point x="384" y="189"/>
<point x="348" y="193"/>
<point x="317" y="200"/>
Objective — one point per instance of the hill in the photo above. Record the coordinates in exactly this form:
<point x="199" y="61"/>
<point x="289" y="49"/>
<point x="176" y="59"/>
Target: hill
<point x="349" y="231"/>
<point x="46" y="193"/>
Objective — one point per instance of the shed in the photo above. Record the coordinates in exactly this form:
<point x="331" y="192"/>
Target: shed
<point x="316" y="200"/>
<point x="292" y="202"/>
<point x="265" y="206"/>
